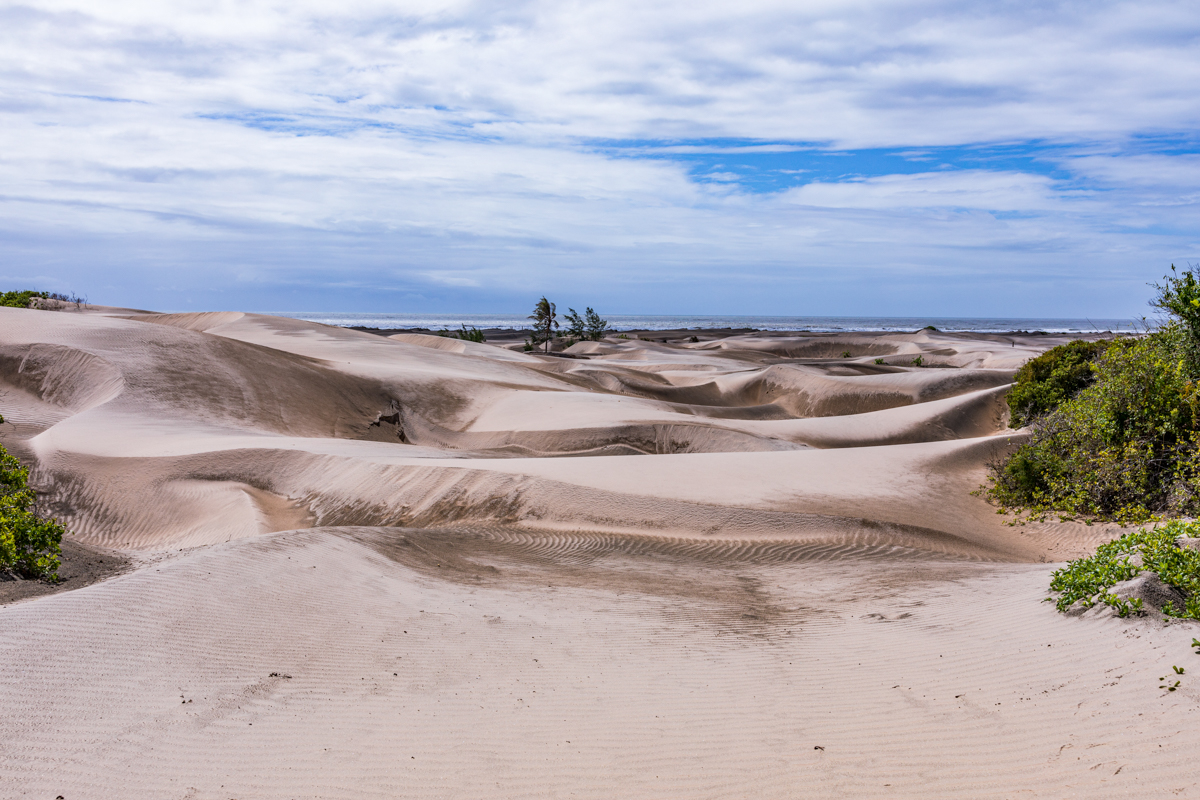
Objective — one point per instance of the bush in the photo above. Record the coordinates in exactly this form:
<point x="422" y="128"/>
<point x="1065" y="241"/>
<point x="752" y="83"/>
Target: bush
<point x="1089" y="579"/>
<point x="1043" y="383"/>
<point x="30" y="545"/>
<point x="544" y="323"/>
<point x="1125" y="447"/>
<point x="1179" y="296"/>
<point x="471" y="334"/>
<point x="19" y="299"/>
<point x="588" y="327"/>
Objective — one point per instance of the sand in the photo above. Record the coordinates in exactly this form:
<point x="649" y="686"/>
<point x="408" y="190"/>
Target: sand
<point x="327" y="563"/>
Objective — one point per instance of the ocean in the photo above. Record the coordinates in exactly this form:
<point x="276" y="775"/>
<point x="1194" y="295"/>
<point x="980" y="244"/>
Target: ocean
<point x="620" y="322"/>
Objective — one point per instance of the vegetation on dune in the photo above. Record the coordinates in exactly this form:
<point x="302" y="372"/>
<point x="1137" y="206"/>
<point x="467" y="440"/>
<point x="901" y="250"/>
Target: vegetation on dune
<point x="30" y="544"/>
<point x="471" y="334"/>
<point x="19" y="299"/>
<point x="544" y="323"/>
<point x="589" y="327"/>
<point x="1089" y="580"/>
<point x="1114" y="427"/>
<point x="31" y="299"/>
<point x="1043" y="383"/>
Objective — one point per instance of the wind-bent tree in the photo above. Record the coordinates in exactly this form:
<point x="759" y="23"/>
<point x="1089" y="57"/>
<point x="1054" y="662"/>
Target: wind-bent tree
<point x="586" y="327"/>
<point x="544" y="322"/>
<point x="596" y="327"/>
<point x="576" y="325"/>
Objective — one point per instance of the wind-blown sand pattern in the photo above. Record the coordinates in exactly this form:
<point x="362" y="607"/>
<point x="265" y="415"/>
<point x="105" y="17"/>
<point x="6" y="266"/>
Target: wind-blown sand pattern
<point x="372" y="567"/>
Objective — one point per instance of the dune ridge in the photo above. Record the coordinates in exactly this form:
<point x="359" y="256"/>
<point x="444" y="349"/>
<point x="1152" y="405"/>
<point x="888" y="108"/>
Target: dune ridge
<point x="407" y="565"/>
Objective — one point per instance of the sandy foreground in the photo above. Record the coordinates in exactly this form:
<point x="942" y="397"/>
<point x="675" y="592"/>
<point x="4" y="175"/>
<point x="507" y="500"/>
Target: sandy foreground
<point x="311" y="562"/>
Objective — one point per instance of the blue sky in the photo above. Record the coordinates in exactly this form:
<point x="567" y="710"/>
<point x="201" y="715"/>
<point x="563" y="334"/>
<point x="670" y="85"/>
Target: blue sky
<point x="872" y="158"/>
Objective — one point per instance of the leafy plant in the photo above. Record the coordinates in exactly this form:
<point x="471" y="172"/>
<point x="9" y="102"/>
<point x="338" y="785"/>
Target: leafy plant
<point x="918" y="361"/>
<point x="29" y="543"/>
<point x="1043" y="383"/>
<point x="1090" y="579"/>
<point x="596" y="327"/>
<point x="20" y="299"/>
<point x="576" y="325"/>
<point x="1126" y="447"/>
<point x="1179" y="296"/>
<point x="879" y="361"/>
<point x="845" y="354"/>
<point x="471" y="334"/>
<point x="588" y="327"/>
<point x="544" y="322"/>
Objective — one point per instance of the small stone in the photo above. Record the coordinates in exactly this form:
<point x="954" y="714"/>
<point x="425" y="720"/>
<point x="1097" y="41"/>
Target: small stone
<point x="1150" y="589"/>
<point x="1077" y="608"/>
<point x="1188" y="543"/>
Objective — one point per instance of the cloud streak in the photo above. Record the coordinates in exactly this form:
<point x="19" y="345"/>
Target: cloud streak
<point x="869" y="157"/>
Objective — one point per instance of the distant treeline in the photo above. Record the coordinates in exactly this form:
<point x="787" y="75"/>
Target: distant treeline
<point x="31" y="299"/>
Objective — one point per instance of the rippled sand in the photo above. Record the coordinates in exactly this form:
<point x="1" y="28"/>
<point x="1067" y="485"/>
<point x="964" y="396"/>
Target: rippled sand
<point x="368" y="566"/>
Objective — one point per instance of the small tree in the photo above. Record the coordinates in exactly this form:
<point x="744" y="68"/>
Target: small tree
<point x="588" y="326"/>
<point x="1179" y="296"/>
<point x="471" y="334"/>
<point x="30" y="545"/>
<point x="576" y="325"/>
<point x="596" y="327"/>
<point x="544" y="322"/>
<point x="20" y="299"/>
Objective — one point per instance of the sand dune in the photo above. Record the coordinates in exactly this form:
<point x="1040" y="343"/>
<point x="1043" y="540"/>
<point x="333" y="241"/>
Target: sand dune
<point x="381" y="566"/>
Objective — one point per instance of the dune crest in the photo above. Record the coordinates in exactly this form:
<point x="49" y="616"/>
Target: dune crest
<point x="407" y="565"/>
<point x="158" y="430"/>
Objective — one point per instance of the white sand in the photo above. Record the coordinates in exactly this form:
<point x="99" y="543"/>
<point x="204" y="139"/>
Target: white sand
<point x="756" y="548"/>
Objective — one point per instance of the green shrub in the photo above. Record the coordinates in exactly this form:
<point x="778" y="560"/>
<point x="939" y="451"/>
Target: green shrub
<point x="1124" y="447"/>
<point x="29" y="544"/>
<point x="1046" y="381"/>
<point x="1089" y="579"/>
<point x="544" y="322"/>
<point x="19" y="299"/>
<point x="471" y="334"/>
<point x="1179" y="296"/>
<point x="588" y="327"/>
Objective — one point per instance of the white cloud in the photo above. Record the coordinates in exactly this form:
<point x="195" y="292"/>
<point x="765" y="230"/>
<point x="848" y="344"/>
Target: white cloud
<point x="463" y="145"/>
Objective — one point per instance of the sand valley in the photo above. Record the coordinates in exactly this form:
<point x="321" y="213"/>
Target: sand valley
<point x="311" y="562"/>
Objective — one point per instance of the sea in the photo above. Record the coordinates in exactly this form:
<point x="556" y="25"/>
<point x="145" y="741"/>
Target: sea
<point x="620" y="322"/>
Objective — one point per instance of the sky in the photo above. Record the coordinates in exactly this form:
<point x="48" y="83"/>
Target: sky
<point x="1020" y="159"/>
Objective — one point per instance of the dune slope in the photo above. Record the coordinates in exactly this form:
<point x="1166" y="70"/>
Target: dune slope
<point x="371" y="566"/>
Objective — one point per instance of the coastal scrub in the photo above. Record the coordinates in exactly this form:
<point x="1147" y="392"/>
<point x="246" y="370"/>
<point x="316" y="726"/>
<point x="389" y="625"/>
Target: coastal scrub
<point x="1089" y="581"/>
<point x="1114" y="426"/>
<point x="30" y="545"/>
